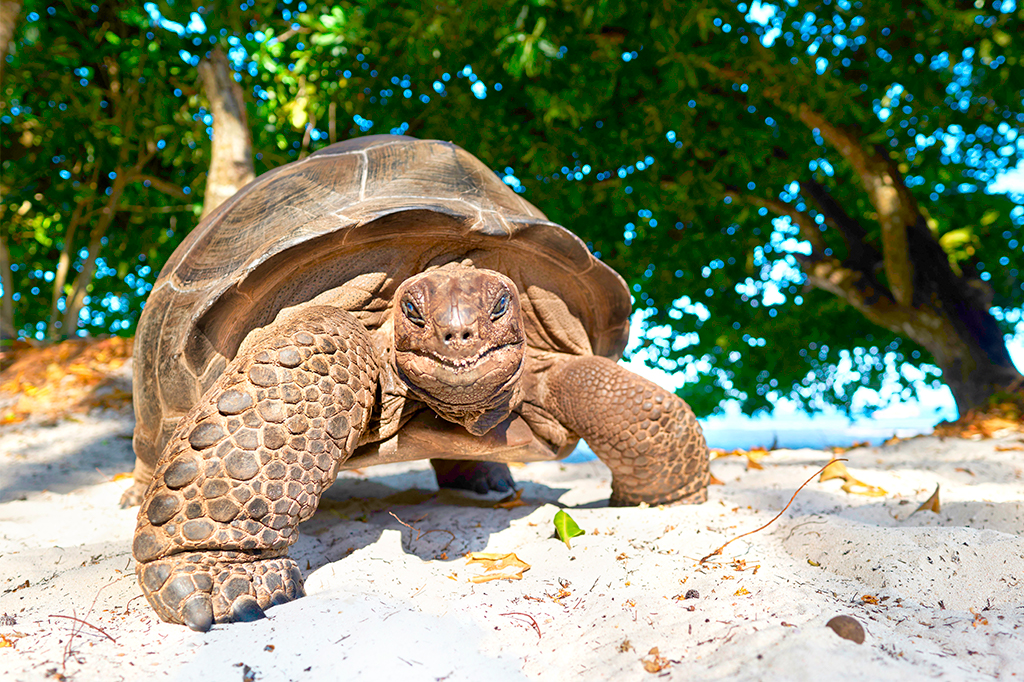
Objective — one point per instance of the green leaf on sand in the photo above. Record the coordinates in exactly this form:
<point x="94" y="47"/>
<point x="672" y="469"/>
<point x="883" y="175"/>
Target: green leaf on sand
<point x="566" y="528"/>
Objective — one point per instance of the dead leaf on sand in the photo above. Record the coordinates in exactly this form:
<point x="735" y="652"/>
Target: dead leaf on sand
<point x="497" y="566"/>
<point x="931" y="504"/>
<point x="654" y="662"/>
<point x="851" y="484"/>
<point x="512" y="502"/>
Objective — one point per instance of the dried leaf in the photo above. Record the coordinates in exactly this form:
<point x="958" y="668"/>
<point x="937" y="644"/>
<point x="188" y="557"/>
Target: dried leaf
<point x="5" y="642"/>
<point x="754" y="458"/>
<point x="497" y="566"/>
<point x="835" y="469"/>
<point x="852" y="485"/>
<point x="512" y="502"/>
<point x="655" y="662"/>
<point x="931" y="504"/>
<point x="1008" y="448"/>
<point x="740" y="592"/>
<point x="714" y="481"/>
<point x="566" y="528"/>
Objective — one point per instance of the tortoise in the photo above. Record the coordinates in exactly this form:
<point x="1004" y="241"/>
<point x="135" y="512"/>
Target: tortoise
<point x="383" y="299"/>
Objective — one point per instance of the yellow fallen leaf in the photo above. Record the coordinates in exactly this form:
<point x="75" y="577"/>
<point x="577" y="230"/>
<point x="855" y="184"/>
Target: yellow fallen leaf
<point x="740" y="592"/>
<point x="123" y="476"/>
<point x="497" y="566"/>
<point x="931" y="504"/>
<point x="656" y="662"/>
<point x="851" y="485"/>
<point x="834" y="470"/>
<point x="512" y="502"/>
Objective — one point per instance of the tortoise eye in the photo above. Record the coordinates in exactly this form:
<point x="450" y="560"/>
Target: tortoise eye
<point x="409" y="308"/>
<point x="500" y="306"/>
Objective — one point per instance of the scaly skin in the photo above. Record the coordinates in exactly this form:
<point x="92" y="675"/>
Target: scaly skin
<point x="647" y="436"/>
<point x="247" y="464"/>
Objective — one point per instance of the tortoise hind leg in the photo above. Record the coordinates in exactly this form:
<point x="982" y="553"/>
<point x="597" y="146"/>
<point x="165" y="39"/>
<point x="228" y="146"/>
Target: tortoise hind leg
<point x="477" y="477"/>
<point x="247" y="464"/>
<point x="647" y="436"/>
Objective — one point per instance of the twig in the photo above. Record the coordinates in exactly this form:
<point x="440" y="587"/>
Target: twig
<point x="69" y="647"/>
<point x="526" y="615"/>
<point x="83" y="622"/>
<point x="422" y="533"/>
<point x="757" y="530"/>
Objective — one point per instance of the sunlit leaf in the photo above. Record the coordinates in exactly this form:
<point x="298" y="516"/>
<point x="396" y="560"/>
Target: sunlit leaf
<point x="566" y="528"/>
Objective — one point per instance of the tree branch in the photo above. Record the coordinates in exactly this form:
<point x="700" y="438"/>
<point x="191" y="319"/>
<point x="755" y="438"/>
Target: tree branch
<point x="894" y="204"/>
<point x="860" y="253"/>
<point x="809" y="230"/>
<point x="859" y="289"/>
<point x="161" y="185"/>
<point x="896" y="208"/>
<point x="9" y="13"/>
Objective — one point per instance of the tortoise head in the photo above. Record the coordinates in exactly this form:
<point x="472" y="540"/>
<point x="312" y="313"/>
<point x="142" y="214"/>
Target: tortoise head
<point x="459" y="343"/>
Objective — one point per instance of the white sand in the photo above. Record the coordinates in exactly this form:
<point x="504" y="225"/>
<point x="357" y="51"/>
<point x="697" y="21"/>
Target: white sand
<point x="384" y="604"/>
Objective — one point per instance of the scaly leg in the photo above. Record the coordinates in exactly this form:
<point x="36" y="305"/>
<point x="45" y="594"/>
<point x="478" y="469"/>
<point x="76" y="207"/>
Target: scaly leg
<point x="478" y="477"/>
<point x="647" y="436"/>
<point x="247" y="464"/>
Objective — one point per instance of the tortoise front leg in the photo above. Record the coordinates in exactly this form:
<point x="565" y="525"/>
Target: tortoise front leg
<point x="247" y="464"/>
<point x="647" y="436"/>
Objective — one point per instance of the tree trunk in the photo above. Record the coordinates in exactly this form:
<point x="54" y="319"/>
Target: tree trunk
<point x="57" y="330"/>
<point x="945" y="313"/>
<point x="7" y="331"/>
<point x="9" y="11"/>
<point x="921" y="297"/>
<point x="231" y="163"/>
<point x="76" y="299"/>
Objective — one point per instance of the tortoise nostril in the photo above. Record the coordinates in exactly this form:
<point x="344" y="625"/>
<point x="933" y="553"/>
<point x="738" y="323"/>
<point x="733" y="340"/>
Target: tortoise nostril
<point x="466" y="335"/>
<point x="447" y="338"/>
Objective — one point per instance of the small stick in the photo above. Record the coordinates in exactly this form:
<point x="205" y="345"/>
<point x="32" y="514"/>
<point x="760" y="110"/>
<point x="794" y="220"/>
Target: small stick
<point x="526" y="615"/>
<point x="420" y="533"/>
<point x="775" y="518"/>
<point x="83" y="622"/>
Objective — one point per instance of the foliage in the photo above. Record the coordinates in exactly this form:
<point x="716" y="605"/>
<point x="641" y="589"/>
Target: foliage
<point x="658" y="132"/>
<point x="89" y="128"/>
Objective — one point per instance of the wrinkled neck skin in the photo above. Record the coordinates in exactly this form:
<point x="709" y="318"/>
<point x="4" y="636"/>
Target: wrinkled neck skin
<point x="459" y="345"/>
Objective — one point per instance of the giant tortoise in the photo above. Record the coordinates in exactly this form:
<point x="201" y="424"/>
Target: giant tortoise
<point x="384" y="299"/>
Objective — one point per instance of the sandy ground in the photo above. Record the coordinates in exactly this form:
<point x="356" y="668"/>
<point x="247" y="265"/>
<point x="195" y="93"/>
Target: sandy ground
<point x="939" y="595"/>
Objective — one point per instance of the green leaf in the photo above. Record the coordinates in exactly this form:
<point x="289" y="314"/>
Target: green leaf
<point x="566" y="528"/>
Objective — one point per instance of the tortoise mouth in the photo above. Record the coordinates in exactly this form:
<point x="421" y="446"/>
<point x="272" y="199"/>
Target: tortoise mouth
<point x="462" y="364"/>
<point x="464" y="381"/>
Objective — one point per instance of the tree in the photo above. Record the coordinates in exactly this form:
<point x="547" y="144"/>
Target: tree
<point x="788" y="188"/>
<point x="97" y="160"/>
<point x="797" y="193"/>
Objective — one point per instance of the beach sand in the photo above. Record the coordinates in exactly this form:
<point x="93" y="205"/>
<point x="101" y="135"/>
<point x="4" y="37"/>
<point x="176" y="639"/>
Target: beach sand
<point x="939" y="595"/>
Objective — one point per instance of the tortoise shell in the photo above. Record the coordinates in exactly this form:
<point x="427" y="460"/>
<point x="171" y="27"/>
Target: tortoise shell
<point x="359" y="217"/>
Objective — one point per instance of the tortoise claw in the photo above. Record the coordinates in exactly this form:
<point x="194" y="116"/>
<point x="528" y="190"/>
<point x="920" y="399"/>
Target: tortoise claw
<point x="245" y="610"/>
<point x="197" y="613"/>
<point x="199" y="589"/>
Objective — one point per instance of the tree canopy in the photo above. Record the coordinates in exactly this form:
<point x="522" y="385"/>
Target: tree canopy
<point x="797" y="192"/>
